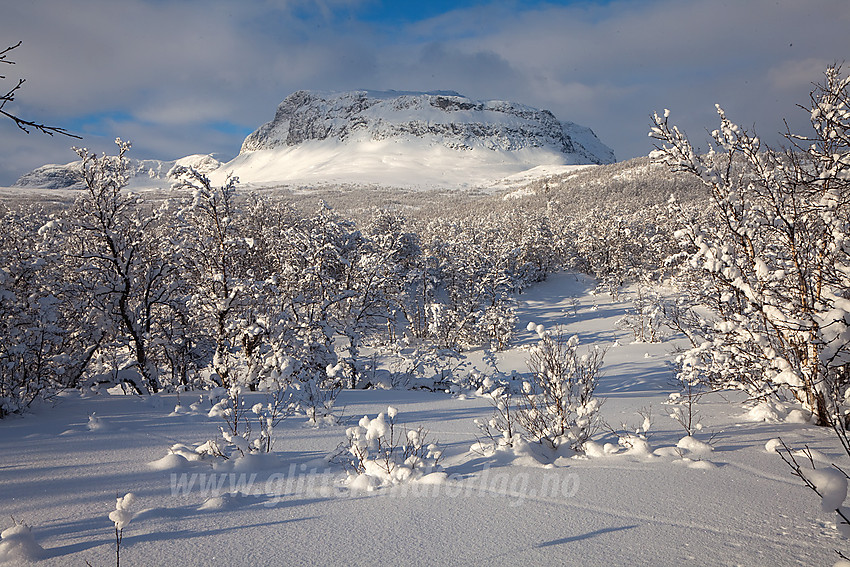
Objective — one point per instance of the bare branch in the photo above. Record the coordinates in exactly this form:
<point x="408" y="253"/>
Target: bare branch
<point x="22" y="123"/>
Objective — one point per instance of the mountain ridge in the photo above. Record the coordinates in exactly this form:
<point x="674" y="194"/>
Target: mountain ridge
<point x="402" y="139"/>
<point x="457" y="121"/>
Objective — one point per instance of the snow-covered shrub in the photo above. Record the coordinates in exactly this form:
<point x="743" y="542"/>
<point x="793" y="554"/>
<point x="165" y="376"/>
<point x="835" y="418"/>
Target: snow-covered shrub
<point x="644" y="318"/>
<point x="497" y="324"/>
<point x="502" y="425"/>
<point x="428" y="368"/>
<point x="17" y="545"/>
<point x="378" y="448"/>
<point x="316" y="396"/>
<point x="767" y="277"/>
<point x="249" y="429"/>
<point x="683" y="404"/>
<point x="632" y="439"/>
<point x="557" y="405"/>
<point x="49" y="330"/>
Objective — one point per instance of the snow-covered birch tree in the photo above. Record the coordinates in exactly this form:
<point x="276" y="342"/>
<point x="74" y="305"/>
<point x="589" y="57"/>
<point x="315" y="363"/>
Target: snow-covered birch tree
<point x="768" y="279"/>
<point x="130" y="274"/>
<point x="213" y="257"/>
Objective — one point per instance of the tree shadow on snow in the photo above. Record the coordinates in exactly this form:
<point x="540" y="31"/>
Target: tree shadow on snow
<point x="63" y="550"/>
<point x="191" y="534"/>
<point x="581" y="537"/>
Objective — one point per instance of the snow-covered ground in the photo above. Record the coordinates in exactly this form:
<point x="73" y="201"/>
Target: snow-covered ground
<point x="63" y="465"/>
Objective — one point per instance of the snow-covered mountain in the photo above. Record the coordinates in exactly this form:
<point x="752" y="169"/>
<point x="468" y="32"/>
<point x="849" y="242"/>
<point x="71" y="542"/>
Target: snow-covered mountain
<point x="408" y="139"/>
<point x="443" y="116"/>
<point x="436" y="139"/>
<point x="143" y="172"/>
<point x="53" y="176"/>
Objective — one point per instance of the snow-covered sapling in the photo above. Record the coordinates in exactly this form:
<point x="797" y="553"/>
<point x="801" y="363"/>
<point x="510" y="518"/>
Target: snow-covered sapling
<point x="233" y="409"/>
<point x="684" y="403"/>
<point x="317" y="394"/>
<point x="502" y="425"/>
<point x="558" y="405"/>
<point x="121" y="516"/>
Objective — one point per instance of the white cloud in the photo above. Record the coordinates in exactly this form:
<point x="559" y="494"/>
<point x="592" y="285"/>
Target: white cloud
<point x="796" y="73"/>
<point x="193" y="108"/>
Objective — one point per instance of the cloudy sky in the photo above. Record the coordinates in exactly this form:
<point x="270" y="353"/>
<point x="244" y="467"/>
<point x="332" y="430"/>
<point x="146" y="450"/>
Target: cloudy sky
<point x="178" y="77"/>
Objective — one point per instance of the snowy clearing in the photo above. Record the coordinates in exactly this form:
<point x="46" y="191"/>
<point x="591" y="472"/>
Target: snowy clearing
<point x="653" y="499"/>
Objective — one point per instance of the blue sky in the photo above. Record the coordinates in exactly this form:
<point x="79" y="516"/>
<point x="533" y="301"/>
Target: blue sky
<point x="195" y="76"/>
<point x="400" y="12"/>
<point x="395" y="13"/>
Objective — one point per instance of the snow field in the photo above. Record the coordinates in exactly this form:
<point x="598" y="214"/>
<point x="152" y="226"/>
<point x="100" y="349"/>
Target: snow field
<point x="645" y="493"/>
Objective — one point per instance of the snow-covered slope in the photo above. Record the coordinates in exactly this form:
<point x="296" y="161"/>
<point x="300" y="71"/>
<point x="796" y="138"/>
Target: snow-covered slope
<point x="53" y="176"/>
<point x="630" y="184"/>
<point x="408" y="139"/>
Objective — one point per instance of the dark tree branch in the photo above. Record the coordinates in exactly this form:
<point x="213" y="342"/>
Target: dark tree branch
<point x="4" y="53"/>
<point x="21" y="123"/>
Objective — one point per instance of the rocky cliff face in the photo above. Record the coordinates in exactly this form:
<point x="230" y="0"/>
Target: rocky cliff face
<point x="447" y="118"/>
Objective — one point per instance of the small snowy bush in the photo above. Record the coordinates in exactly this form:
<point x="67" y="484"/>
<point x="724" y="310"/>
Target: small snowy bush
<point x="683" y="403"/>
<point x="502" y="425"/>
<point x="497" y="323"/>
<point x="250" y="429"/>
<point x="316" y="396"/>
<point x="18" y="546"/>
<point x="645" y="316"/>
<point x="557" y="404"/>
<point x="376" y="447"/>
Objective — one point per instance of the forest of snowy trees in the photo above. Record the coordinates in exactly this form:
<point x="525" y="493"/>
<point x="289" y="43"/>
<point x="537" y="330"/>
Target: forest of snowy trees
<point x="221" y="287"/>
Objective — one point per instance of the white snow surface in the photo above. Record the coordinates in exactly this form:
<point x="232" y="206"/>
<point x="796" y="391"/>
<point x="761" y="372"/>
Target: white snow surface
<point x="614" y="507"/>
